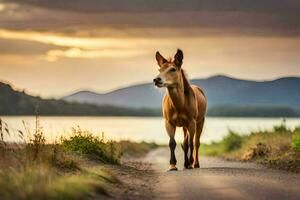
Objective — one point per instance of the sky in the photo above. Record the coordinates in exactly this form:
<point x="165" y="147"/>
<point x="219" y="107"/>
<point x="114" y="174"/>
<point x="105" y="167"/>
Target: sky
<point x="54" y="48"/>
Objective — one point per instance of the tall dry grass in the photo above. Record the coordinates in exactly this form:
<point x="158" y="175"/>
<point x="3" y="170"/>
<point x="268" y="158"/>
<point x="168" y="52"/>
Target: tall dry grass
<point x="34" y="169"/>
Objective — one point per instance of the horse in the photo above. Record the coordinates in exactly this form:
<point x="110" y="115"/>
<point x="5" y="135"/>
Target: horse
<point x="184" y="105"/>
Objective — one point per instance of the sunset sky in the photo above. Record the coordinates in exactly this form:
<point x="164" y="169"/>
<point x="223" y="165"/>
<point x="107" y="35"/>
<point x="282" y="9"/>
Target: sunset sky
<point x="53" y="48"/>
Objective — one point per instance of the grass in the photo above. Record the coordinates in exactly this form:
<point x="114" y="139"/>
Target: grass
<point x="69" y="169"/>
<point x="84" y="142"/>
<point x="277" y="148"/>
<point x="42" y="182"/>
<point x="296" y="140"/>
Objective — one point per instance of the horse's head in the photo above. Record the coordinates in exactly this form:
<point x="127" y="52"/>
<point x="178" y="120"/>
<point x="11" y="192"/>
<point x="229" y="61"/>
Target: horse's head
<point x="169" y="70"/>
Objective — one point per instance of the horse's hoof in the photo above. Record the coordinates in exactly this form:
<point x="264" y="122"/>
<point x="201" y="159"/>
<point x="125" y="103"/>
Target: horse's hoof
<point x="188" y="167"/>
<point x="172" y="169"/>
<point x="196" y="166"/>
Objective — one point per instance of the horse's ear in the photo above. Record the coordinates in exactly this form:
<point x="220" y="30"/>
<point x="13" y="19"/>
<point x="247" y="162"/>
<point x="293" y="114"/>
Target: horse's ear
<point x="160" y="59"/>
<point x="178" y="58"/>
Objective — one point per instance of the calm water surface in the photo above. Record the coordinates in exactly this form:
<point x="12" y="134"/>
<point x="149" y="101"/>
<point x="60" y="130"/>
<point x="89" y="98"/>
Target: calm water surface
<point x="140" y="128"/>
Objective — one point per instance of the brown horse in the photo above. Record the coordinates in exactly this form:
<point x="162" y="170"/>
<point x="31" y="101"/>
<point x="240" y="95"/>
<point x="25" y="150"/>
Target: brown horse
<point x="184" y="105"/>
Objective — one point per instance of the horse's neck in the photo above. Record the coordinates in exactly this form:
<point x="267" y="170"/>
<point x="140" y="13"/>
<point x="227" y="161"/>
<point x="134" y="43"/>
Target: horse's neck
<point x="177" y="97"/>
<point x="178" y="94"/>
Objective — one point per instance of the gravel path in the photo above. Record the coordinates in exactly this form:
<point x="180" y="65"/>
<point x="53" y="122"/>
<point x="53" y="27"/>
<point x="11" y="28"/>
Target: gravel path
<point x="220" y="179"/>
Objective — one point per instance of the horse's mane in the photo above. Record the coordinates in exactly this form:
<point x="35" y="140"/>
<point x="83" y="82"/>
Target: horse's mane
<point x="186" y="84"/>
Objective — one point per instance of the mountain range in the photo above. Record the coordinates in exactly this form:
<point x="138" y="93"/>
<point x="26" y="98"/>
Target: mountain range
<point x="14" y="102"/>
<point x="219" y="90"/>
<point x="226" y="97"/>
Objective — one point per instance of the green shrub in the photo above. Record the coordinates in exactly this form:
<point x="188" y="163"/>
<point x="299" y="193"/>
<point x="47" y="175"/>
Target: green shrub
<point x="297" y="129"/>
<point x="296" y="141"/>
<point x="232" y="141"/>
<point x="84" y="142"/>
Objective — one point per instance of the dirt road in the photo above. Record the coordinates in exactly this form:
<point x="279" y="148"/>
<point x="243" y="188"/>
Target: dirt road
<point x="219" y="179"/>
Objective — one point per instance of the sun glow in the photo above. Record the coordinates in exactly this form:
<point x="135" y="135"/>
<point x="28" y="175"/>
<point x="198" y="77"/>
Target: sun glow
<point x="69" y="41"/>
<point x="8" y="7"/>
<point x="81" y="47"/>
<point x="2" y="7"/>
<point x="53" y="55"/>
<point x="63" y="41"/>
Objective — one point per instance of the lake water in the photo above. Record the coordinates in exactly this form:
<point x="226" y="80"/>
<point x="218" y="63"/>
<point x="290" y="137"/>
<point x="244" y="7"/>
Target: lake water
<point x="140" y="128"/>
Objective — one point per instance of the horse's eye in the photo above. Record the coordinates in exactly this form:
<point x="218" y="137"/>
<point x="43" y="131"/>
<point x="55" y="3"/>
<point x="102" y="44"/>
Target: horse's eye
<point x="173" y="70"/>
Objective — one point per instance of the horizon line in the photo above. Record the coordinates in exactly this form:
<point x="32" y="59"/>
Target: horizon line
<point x="133" y="85"/>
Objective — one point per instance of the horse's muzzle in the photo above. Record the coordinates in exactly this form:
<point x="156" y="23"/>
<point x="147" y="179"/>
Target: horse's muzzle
<point x="158" y="82"/>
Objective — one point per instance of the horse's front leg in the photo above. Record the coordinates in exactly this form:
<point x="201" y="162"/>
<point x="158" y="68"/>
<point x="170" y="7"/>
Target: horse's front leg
<point x="172" y="144"/>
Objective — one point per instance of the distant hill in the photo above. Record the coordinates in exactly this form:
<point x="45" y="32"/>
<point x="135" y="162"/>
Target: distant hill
<point x="220" y="90"/>
<point x="14" y="102"/>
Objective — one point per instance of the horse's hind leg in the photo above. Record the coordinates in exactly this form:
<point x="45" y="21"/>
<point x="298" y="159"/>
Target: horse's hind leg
<point x="185" y="146"/>
<point x="192" y="132"/>
<point x="197" y="143"/>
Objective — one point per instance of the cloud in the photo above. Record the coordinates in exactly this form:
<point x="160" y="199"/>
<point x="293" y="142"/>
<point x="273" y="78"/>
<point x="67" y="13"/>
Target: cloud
<point x="102" y="43"/>
<point x="60" y="40"/>
<point x="55" y="46"/>
<point x="139" y="17"/>
<point x="21" y="47"/>
<point x="167" y="5"/>
<point x="71" y="41"/>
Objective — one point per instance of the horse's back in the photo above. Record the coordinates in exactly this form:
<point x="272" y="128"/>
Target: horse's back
<point x="201" y="101"/>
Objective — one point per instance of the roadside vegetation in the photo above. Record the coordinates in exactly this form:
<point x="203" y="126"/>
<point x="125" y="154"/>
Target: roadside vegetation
<point x="276" y="148"/>
<point x="77" y="167"/>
